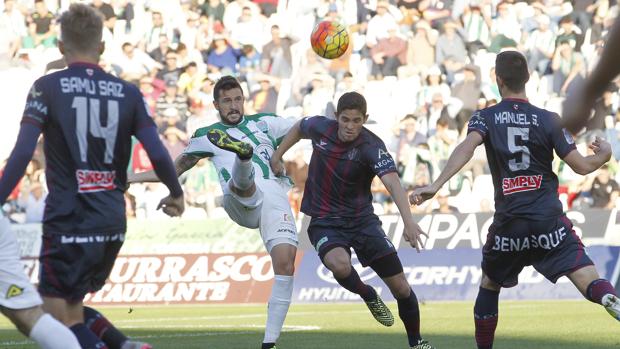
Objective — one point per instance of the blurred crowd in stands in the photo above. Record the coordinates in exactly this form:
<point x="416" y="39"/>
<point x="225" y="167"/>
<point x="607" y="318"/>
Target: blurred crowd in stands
<point x="423" y="65"/>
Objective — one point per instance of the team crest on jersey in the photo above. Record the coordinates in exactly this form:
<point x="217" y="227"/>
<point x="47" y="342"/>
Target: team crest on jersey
<point x="353" y="154"/>
<point x="89" y="71"/>
<point x="14" y="291"/>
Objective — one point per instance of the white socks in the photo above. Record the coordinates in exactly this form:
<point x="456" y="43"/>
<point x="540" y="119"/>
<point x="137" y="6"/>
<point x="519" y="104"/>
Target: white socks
<point x="242" y="174"/>
<point x="49" y="333"/>
<point x="281" y="294"/>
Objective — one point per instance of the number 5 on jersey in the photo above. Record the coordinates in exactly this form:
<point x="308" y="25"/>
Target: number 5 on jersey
<point x="524" y="134"/>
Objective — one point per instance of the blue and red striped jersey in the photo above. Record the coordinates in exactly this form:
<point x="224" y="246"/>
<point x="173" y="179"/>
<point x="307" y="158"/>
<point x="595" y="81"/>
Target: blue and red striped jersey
<point x="519" y="139"/>
<point x="340" y="174"/>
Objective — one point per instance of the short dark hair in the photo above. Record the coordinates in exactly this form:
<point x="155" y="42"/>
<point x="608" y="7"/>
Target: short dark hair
<point x="81" y="29"/>
<point x="511" y="67"/>
<point x="225" y="83"/>
<point x="351" y="100"/>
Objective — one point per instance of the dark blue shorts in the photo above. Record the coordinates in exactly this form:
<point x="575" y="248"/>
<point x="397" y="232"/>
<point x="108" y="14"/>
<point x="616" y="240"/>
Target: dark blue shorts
<point x="364" y="235"/>
<point x="551" y="247"/>
<point x="73" y="265"/>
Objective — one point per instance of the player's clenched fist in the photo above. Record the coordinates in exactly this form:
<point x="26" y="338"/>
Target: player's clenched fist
<point x="419" y="195"/>
<point x="172" y="206"/>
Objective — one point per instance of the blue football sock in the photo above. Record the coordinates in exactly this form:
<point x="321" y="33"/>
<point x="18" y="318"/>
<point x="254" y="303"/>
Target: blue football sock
<point x="87" y="339"/>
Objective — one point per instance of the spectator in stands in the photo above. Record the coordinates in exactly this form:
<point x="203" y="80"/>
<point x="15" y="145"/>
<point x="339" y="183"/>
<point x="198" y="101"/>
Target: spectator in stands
<point x="12" y="29"/>
<point x="249" y="64"/>
<point x="32" y="201"/>
<point x="540" y="46"/>
<point x="265" y="99"/>
<point x="41" y="27"/>
<point x="159" y="54"/>
<point x="108" y="14"/>
<point x="388" y="54"/>
<point x="276" y="56"/>
<point x="174" y="141"/>
<point x="444" y="205"/>
<point x="380" y="23"/>
<point x="406" y="139"/>
<point x="450" y="51"/>
<point x="603" y="108"/>
<point x="476" y="27"/>
<point x="421" y="47"/>
<point x="213" y="10"/>
<point x="170" y="99"/>
<point x="433" y="82"/>
<point x="604" y="190"/>
<point x="223" y="56"/>
<point x="190" y="80"/>
<point x="132" y="64"/>
<point x="155" y="30"/>
<point x="467" y="91"/>
<point x="171" y="70"/>
<point x="249" y="30"/>
<point x="568" y="68"/>
<point x="569" y="32"/>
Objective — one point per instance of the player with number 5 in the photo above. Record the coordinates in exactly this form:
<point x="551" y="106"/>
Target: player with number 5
<point x="529" y="226"/>
<point x="87" y="118"/>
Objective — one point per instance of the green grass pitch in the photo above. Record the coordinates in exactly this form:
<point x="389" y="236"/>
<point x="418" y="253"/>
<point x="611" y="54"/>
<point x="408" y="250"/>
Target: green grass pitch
<point x="522" y="325"/>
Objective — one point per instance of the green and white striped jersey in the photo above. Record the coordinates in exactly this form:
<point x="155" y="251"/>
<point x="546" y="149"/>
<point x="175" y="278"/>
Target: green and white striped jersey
<point x="263" y="131"/>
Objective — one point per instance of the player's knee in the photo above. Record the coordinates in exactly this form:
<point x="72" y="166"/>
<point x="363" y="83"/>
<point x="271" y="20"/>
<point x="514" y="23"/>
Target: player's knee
<point x="340" y="268"/>
<point x="24" y="319"/>
<point x="284" y="267"/>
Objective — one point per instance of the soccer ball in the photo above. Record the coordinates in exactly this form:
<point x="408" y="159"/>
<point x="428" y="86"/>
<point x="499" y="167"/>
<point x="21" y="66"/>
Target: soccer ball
<point x="329" y="39"/>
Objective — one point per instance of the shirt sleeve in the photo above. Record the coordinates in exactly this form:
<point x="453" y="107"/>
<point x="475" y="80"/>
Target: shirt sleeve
<point x="142" y="116"/>
<point x="278" y="127"/>
<point x="199" y="146"/>
<point x="310" y="126"/>
<point x="379" y="159"/>
<point x="563" y="141"/>
<point x="477" y="123"/>
<point x="37" y="107"/>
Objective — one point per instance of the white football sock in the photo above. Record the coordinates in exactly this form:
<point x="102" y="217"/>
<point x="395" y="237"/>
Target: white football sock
<point x="49" y="333"/>
<point x="281" y="294"/>
<point x="242" y="174"/>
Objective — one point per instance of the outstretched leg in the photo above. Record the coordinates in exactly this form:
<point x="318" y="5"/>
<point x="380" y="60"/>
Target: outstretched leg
<point x="486" y="312"/>
<point x="596" y="290"/>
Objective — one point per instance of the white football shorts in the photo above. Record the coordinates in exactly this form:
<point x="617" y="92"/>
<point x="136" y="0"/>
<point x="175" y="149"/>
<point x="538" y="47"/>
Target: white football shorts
<point x="16" y="291"/>
<point x="268" y="210"/>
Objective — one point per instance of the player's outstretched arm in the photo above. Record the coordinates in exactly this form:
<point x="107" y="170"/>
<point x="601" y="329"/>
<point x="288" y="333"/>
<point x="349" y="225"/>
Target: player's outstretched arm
<point x="413" y="233"/>
<point x="459" y="157"/>
<point x="577" y="108"/>
<point x="588" y="164"/>
<point x="19" y="159"/>
<point x="293" y="136"/>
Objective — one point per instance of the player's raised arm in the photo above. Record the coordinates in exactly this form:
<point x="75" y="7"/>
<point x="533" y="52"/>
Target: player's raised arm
<point x="294" y="135"/>
<point x="588" y="164"/>
<point x="413" y="233"/>
<point x="459" y="157"/>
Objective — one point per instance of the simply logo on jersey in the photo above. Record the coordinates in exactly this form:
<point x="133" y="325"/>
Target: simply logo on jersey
<point x="93" y="181"/>
<point x="521" y="183"/>
<point x="14" y="291"/>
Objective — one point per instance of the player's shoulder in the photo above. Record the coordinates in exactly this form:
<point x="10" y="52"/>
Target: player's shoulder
<point x="259" y="116"/>
<point x="201" y="132"/>
<point x="320" y="120"/>
<point x="369" y="138"/>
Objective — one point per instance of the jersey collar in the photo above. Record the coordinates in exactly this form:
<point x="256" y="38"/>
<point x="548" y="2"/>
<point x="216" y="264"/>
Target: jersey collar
<point x="510" y="99"/>
<point x="84" y="65"/>
<point x="243" y="122"/>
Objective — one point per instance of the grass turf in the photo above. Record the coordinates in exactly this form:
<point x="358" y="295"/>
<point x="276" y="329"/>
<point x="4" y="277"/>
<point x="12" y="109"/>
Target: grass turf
<point x="522" y="325"/>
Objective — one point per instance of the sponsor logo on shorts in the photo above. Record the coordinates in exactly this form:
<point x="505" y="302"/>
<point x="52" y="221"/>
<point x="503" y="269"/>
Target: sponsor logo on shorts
<point x="321" y="242"/>
<point x="521" y="183"/>
<point x="14" y="291"/>
<point x="64" y="239"/>
<point x="94" y="181"/>
<point x="544" y="241"/>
